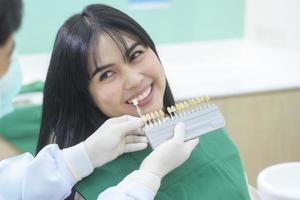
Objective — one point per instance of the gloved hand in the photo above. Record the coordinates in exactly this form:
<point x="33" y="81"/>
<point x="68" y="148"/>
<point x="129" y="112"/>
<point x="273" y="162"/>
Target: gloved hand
<point x="170" y="154"/>
<point x="116" y="136"/>
<point x="162" y="160"/>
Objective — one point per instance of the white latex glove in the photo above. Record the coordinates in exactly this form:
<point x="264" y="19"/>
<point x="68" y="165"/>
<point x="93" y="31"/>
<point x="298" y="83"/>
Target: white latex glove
<point x="154" y="167"/>
<point x="170" y="154"/>
<point x="116" y="136"/>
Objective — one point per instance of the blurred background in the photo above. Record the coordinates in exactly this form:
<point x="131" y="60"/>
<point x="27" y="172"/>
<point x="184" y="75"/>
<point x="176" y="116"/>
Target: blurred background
<point x="167" y="21"/>
<point x="245" y="54"/>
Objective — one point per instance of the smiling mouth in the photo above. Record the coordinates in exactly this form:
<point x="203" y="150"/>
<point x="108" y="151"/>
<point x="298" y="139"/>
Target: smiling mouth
<point x="141" y="96"/>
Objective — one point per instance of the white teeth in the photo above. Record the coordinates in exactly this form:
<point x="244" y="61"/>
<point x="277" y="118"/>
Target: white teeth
<point x="141" y="96"/>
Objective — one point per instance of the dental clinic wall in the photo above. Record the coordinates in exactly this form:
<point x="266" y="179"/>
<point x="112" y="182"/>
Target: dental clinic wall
<point x="181" y="21"/>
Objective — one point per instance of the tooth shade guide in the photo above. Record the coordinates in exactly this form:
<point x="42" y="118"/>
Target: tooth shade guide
<point x="138" y="110"/>
<point x="176" y="111"/>
<point x="179" y="109"/>
<point x="173" y="109"/>
<point x="182" y="108"/>
<point x="135" y="102"/>
<point x="162" y="115"/>
<point x="152" y="115"/>
<point x="170" y="112"/>
<point x="148" y="117"/>
<point x="192" y="104"/>
<point x="186" y="107"/>
<point x="199" y="100"/>
<point x="153" y="118"/>
<point x="177" y="106"/>
<point x="206" y="98"/>
<point x="199" y="116"/>
<point x="157" y="116"/>
<point x="145" y="120"/>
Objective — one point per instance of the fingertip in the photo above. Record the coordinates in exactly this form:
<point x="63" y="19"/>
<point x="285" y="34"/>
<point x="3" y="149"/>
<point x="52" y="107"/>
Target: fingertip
<point x="144" y="145"/>
<point x="195" y="140"/>
<point x="142" y="122"/>
<point x="191" y="144"/>
<point x="145" y="139"/>
<point x="131" y="125"/>
<point x="180" y="124"/>
<point x="179" y="131"/>
<point x="139" y="120"/>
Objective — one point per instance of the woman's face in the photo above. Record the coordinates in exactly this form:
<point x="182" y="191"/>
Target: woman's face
<point x="119" y="79"/>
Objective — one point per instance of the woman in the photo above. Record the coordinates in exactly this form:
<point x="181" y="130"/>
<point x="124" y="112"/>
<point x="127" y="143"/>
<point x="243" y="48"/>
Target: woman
<point x="103" y="60"/>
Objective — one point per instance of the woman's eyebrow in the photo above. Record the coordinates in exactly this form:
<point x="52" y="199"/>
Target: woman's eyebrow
<point x="131" y="48"/>
<point x="100" y="68"/>
<point x="128" y="51"/>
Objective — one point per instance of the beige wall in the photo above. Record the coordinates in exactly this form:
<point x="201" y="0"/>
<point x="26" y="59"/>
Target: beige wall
<point x="265" y="127"/>
<point x="7" y="150"/>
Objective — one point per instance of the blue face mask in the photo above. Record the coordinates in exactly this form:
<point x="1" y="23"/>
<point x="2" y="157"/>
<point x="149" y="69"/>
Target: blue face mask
<point x="10" y="85"/>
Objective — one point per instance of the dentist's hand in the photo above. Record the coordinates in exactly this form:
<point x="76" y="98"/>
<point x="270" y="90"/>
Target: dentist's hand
<point x="116" y="136"/>
<point x="162" y="160"/>
<point x="170" y="154"/>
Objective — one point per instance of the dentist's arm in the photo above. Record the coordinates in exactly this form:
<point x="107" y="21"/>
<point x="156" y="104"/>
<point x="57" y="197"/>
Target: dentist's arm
<point x="53" y="172"/>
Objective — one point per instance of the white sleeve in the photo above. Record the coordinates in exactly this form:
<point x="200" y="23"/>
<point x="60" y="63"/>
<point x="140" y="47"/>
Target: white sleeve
<point x="47" y="176"/>
<point x="139" y="185"/>
<point x="44" y="177"/>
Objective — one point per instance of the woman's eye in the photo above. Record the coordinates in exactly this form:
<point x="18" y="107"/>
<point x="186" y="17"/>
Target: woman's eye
<point x="135" y="55"/>
<point x="105" y="75"/>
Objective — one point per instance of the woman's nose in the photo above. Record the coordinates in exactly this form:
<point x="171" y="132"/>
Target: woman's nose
<point x="133" y="78"/>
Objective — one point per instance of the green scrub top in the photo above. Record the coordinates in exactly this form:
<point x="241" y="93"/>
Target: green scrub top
<point x="213" y="172"/>
<point x="21" y="127"/>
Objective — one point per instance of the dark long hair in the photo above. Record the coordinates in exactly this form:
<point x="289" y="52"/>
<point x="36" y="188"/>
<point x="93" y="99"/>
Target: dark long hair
<point x="69" y="115"/>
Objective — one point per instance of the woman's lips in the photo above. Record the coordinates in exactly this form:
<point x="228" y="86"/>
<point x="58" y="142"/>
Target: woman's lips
<point x="146" y="100"/>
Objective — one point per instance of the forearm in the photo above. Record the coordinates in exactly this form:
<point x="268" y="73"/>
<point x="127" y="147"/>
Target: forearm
<point x="138" y="185"/>
<point x="44" y="177"/>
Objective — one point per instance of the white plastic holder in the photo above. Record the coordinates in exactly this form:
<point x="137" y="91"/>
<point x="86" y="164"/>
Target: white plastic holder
<point x="280" y="182"/>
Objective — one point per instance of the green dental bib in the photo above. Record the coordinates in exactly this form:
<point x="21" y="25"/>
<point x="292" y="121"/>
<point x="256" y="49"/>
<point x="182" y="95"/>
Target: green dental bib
<point x="213" y="172"/>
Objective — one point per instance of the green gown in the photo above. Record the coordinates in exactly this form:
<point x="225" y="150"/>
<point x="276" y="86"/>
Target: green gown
<point x="21" y="127"/>
<point x="213" y="172"/>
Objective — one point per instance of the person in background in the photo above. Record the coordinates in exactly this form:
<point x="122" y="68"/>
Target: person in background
<point x="10" y="72"/>
<point x="53" y="172"/>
